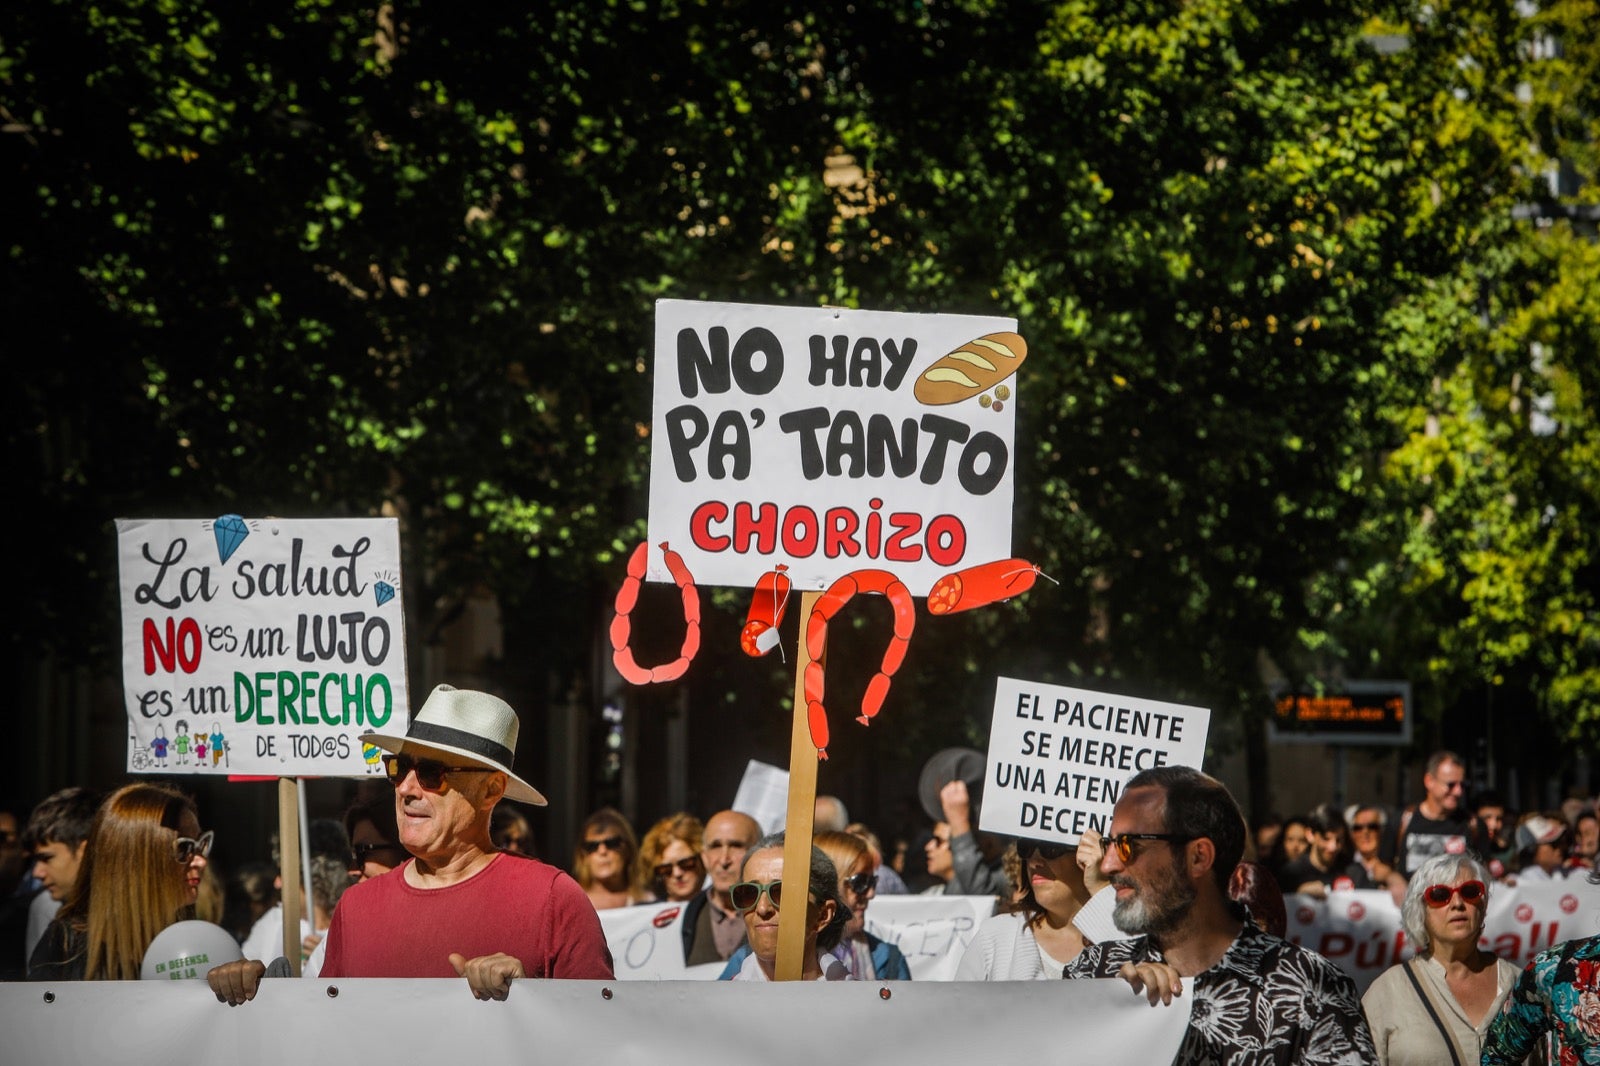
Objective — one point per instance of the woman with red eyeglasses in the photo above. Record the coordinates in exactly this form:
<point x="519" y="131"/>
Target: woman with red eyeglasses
<point x="669" y="859"/>
<point x="1436" y="1007"/>
<point x="602" y="861"/>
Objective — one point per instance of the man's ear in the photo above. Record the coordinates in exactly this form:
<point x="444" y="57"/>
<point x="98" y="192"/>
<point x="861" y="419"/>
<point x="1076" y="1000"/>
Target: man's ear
<point x="1201" y="857"/>
<point x="494" y="789"/>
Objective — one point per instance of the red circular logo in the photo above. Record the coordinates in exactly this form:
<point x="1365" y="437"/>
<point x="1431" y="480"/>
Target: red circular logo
<point x="1305" y="915"/>
<point x="665" y="918"/>
<point x="1524" y="913"/>
<point x="1569" y="904"/>
<point x="1343" y="884"/>
<point x="1357" y="912"/>
<point x="1455" y="845"/>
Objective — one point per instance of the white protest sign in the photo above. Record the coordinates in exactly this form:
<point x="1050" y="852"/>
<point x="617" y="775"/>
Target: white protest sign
<point x="932" y="932"/>
<point x="763" y="794"/>
<point x="1058" y="757"/>
<point x="646" y="942"/>
<point x="261" y="646"/>
<point x="796" y="435"/>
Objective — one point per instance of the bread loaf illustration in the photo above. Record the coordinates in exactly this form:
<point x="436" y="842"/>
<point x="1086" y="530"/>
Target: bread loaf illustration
<point x="970" y="369"/>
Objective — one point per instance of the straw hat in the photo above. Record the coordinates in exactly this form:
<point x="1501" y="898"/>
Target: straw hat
<point x="474" y="728"/>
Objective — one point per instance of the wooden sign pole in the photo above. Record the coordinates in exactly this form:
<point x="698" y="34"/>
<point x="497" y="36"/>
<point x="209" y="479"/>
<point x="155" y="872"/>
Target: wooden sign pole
<point x="289" y="869"/>
<point x="798" y="822"/>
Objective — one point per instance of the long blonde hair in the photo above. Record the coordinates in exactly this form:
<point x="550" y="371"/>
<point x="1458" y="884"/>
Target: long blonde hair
<point x="131" y="885"/>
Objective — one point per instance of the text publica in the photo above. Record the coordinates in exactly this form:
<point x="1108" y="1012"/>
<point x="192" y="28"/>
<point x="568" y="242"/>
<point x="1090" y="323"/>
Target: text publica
<point x="831" y="442"/>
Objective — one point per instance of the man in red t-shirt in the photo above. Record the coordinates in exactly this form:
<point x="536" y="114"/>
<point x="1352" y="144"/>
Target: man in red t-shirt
<point x="465" y="908"/>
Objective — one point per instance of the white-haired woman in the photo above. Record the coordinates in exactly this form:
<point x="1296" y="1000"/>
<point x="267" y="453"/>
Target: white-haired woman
<point x="1435" y="1008"/>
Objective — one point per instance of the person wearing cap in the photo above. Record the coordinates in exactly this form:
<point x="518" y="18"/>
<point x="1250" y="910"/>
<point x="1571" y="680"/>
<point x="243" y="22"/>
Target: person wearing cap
<point x="949" y="789"/>
<point x="459" y="906"/>
<point x="1542" y="848"/>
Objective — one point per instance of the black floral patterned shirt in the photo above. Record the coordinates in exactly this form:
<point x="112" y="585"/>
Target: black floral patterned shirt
<point x="1265" y="1001"/>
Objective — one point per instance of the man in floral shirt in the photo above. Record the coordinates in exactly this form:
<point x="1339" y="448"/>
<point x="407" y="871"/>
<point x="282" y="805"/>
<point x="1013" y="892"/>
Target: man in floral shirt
<point x="1558" y="994"/>
<point x="1175" y="837"/>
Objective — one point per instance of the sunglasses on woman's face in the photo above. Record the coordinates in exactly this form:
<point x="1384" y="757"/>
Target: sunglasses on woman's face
<point x="683" y="866"/>
<point x="184" y="849"/>
<point x="609" y="843"/>
<point x="746" y="894"/>
<point x="364" y="852"/>
<point x="430" y="772"/>
<point x="861" y="884"/>
<point x="1049" y="850"/>
<point x="1471" y="892"/>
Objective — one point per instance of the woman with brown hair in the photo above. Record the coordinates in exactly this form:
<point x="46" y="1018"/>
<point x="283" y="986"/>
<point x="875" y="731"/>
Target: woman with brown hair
<point x="669" y="859"/>
<point x="140" y="874"/>
<point x="602" y="860"/>
<point x="1033" y="938"/>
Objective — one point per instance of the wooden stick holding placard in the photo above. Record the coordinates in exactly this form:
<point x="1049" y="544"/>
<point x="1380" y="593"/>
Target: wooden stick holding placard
<point x="798" y="821"/>
<point x="289" y="870"/>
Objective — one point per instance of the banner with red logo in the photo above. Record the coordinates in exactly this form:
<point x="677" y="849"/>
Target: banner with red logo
<point x="1360" y="931"/>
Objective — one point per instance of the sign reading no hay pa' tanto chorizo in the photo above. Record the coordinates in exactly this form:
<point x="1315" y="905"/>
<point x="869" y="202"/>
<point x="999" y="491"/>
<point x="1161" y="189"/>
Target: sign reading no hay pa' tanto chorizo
<point x="830" y="440"/>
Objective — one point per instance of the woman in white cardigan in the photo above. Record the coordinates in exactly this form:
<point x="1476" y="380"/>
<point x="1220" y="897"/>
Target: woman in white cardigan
<point x="1033" y="938"/>
<point x="1435" y="1008"/>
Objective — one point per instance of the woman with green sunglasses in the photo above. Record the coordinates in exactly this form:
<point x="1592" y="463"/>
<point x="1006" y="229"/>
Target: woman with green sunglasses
<point x="758" y="897"/>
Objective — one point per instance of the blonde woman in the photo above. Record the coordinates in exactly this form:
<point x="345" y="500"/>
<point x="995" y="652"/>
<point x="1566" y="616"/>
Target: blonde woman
<point x="603" y="858"/>
<point x="141" y="873"/>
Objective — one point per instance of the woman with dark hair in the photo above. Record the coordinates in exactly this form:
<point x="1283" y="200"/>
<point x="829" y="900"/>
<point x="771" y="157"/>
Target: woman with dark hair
<point x="758" y="898"/>
<point x="1329" y="861"/>
<point x="670" y="860"/>
<point x="1033" y="938"/>
<point x="140" y="874"/>
<point x="1253" y="887"/>
<point x="602" y="861"/>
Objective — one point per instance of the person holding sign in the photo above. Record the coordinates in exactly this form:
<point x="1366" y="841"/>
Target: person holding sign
<point x="1033" y="939"/>
<point x="140" y="874"/>
<point x="459" y="907"/>
<point x="1175" y="837"/>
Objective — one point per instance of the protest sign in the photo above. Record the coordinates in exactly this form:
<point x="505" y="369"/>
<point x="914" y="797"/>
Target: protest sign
<point x="932" y="932"/>
<point x="646" y="943"/>
<point x="261" y="646"/>
<point x="597" y="1023"/>
<point x="1360" y="931"/>
<point x="830" y="440"/>
<point x="1058" y="757"/>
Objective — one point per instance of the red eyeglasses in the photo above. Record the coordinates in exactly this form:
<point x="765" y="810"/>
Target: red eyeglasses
<point x="1440" y="895"/>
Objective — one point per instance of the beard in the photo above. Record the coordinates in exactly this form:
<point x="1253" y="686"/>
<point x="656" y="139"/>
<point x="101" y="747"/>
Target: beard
<point x="1156" y="908"/>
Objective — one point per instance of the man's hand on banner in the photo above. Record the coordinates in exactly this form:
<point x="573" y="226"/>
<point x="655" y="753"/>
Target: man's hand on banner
<point x="1156" y="980"/>
<point x="236" y="982"/>
<point x="489" y="976"/>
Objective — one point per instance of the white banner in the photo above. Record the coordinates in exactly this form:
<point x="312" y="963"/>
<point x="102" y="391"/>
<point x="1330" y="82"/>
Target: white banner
<point x="261" y="646"/>
<point x="829" y="440"/>
<point x="1058" y="756"/>
<point x="1360" y="931"/>
<point x="155" y="1023"/>
<point x="646" y="941"/>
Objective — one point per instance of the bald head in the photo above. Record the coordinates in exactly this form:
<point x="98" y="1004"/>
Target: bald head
<point x="729" y="835"/>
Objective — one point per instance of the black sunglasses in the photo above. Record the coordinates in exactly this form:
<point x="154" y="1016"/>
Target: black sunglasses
<point x="430" y="772"/>
<point x="683" y="866"/>
<point x="861" y="884"/>
<point x="1049" y="850"/>
<point x="609" y="843"/>
<point x="1122" y="843"/>
<point x="363" y="852"/>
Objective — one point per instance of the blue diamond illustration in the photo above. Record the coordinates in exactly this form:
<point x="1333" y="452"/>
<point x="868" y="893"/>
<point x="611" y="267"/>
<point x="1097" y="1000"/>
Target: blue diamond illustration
<point x="230" y="531"/>
<point x="384" y="591"/>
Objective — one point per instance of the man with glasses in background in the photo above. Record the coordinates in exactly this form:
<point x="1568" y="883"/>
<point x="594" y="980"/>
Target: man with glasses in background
<point x="461" y="907"/>
<point x="1175" y="837"/>
<point x="712" y="928"/>
<point x="1439" y="824"/>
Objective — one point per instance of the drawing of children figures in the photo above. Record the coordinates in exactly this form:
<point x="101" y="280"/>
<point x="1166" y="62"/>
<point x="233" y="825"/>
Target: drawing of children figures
<point x="200" y="748"/>
<point x="180" y="742"/>
<point x="159" y="746"/>
<point x="218" y="747"/>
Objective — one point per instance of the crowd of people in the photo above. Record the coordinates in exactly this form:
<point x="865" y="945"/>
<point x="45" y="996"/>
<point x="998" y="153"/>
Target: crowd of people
<point x="1194" y="900"/>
